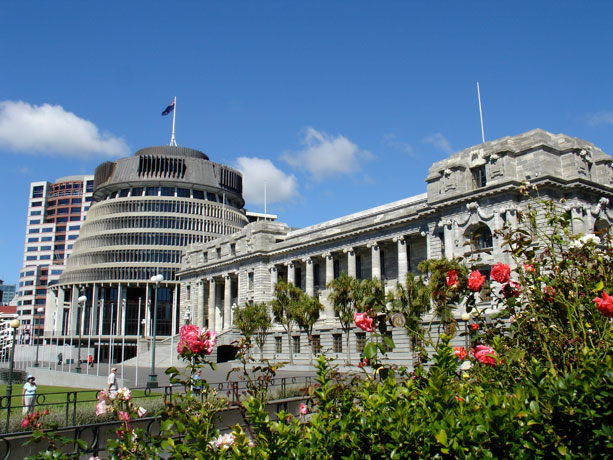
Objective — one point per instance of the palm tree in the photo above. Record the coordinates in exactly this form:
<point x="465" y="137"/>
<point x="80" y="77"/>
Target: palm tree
<point x="344" y="297"/>
<point x="307" y="315"/>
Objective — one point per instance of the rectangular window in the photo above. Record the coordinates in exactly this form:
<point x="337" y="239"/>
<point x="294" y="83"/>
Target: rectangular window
<point x="73" y="237"/>
<point x="233" y="249"/>
<point x="382" y="262"/>
<point x="250" y="277"/>
<point x="198" y="194"/>
<point x="32" y="240"/>
<point x="278" y="344"/>
<point x="358" y="267"/>
<point x="74" y="227"/>
<point x="298" y="275"/>
<point x="62" y="211"/>
<point x="37" y="191"/>
<point x="75" y="210"/>
<point x="45" y="248"/>
<point x="151" y="191"/>
<point x="183" y="192"/>
<point x="36" y="204"/>
<point x="34" y="230"/>
<point x="137" y="191"/>
<point x="89" y="186"/>
<point x="316" y="344"/>
<point x="35" y="213"/>
<point x="316" y="279"/>
<point x="296" y="342"/>
<point x="124" y="192"/>
<point x="46" y="238"/>
<point x="337" y="343"/>
<point x="75" y="218"/>
<point x="337" y="268"/>
<point x="47" y="230"/>
<point x="63" y="201"/>
<point x="479" y="177"/>
<point x="168" y="191"/>
<point x="218" y="253"/>
<point x="360" y="341"/>
<point x="188" y="292"/>
<point x="34" y="222"/>
<point x="46" y="257"/>
<point x="32" y="249"/>
<point x="76" y="201"/>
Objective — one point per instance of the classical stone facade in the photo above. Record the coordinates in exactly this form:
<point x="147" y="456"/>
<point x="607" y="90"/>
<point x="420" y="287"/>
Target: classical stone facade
<point x="469" y="196"/>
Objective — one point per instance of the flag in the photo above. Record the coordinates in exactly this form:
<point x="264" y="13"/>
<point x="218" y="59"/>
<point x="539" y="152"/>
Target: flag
<point x="170" y="107"/>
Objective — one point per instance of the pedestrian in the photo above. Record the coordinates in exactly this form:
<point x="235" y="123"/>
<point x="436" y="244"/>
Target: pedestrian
<point x="196" y="382"/>
<point x="111" y="381"/>
<point x="59" y="359"/>
<point x="29" y="395"/>
<point x="90" y="360"/>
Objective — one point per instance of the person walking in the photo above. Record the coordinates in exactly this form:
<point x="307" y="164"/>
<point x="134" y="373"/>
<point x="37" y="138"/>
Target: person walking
<point x="111" y="381"/>
<point x="90" y="360"/>
<point x="59" y="359"/>
<point x="197" y="382"/>
<point x="29" y="395"/>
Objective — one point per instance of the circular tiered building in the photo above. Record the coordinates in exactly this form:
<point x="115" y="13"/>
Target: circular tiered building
<point x="146" y="209"/>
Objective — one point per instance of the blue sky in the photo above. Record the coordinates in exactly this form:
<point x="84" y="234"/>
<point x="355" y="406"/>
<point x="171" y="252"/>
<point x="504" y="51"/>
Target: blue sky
<point x="338" y="105"/>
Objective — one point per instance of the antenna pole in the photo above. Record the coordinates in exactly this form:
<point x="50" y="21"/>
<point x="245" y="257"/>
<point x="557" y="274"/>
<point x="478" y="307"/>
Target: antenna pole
<point x="480" y="113"/>
<point x="173" y="142"/>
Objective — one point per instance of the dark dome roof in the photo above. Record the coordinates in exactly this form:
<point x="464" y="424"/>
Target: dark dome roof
<point x="171" y="150"/>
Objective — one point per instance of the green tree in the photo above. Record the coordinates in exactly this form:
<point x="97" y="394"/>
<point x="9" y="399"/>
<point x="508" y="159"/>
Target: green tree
<point x="253" y="320"/>
<point x="285" y="308"/>
<point x="307" y="315"/>
<point x="345" y="297"/>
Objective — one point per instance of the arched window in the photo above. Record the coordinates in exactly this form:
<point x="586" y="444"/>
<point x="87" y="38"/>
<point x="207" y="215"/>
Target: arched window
<point x="481" y="238"/>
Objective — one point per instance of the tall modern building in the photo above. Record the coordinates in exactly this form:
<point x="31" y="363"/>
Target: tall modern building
<point x="146" y="209"/>
<point x="55" y="214"/>
<point x="468" y="197"/>
<point x="7" y="292"/>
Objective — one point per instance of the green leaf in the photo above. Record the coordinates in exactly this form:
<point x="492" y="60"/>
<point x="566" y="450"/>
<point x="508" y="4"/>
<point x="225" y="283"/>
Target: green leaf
<point x="370" y="350"/>
<point x="441" y="437"/>
<point x="389" y="342"/>
<point x="599" y="286"/>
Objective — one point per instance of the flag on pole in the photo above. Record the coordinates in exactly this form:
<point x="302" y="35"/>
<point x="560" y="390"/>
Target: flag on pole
<point x="170" y="107"/>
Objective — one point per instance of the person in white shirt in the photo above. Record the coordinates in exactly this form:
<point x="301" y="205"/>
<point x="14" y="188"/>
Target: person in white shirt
<point x="111" y="382"/>
<point x="29" y="395"/>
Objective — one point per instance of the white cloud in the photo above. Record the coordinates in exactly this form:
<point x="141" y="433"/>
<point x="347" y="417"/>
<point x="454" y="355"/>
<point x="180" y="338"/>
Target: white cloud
<point x="325" y="155"/>
<point x="391" y="140"/>
<point x="438" y="141"/>
<point x="601" y="118"/>
<point x="280" y="187"/>
<point x="50" y="130"/>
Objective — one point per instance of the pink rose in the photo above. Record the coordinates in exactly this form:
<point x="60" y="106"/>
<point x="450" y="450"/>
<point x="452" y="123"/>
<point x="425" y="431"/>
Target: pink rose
<point x="460" y="352"/>
<point x="452" y="278"/>
<point x="529" y="268"/>
<point x="501" y="273"/>
<point x="196" y="340"/>
<point x="485" y="355"/>
<point x="124" y="416"/>
<point x="605" y="304"/>
<point x="303" y="409"/>
<point x="475" y="281"/>
<point x="25" y="423"/>
<point x="101" y="408"/>
<point x="363" y="321"/>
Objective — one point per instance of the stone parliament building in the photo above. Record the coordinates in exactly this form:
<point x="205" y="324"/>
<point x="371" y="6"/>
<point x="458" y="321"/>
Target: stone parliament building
<point x="468" y="196"/>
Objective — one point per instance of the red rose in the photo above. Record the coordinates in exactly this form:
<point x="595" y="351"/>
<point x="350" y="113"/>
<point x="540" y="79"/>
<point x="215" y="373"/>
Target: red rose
<point x="363" y="321"/>
<point x="501" y="273"/>
<point x="485" y="355"/>
<point x="475" y="281"/>
<point x="460" y="352"/>
<point x="549" y="293"/>
<point x="605" y="304"/>
<point x="452" y="278"/>
<point x="529" y="268"/>
<point x="474" y="326"/>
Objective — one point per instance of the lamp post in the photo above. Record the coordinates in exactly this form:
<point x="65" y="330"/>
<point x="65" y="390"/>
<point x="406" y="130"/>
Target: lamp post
<point x="9" y="386"/>
<point x="153" y="378"/>
<point x="81" y="300"/>
<point x="38" y="310"/>
<point x="188" y="315"/>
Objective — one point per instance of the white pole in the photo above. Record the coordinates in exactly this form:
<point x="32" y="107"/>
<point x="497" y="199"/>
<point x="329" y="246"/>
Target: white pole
<point x="174" y="112"/>
<point x="101" y="316"/>
<point x="89" y="333"/>
<point x="480" y="112"/>
<point x="123" y="332"/>
<point x="137" y="339"/>
<point x="111" y="336"/>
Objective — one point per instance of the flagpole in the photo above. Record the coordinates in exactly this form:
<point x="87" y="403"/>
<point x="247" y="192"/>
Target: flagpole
<point x="173" y="142"/>
<point x="480" y="114"/>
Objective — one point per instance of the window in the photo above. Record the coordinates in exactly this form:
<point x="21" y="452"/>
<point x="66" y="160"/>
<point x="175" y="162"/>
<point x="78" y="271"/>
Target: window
<point x="337" y="343"/>
<point x="183" y="192"/>
<point x="382" y="263"/>
<point x="168" y="191"/>
<point x="151" y="191"/>
<point x="74" y="227"/>
<point x="89" y="186"/>
<point x="298" y="277"/>
<point x="233" y="249"/>
<point x="481" y="238"/>
<point x="30" y="257"/>
<point x="64" y="201"/>
<point x="250" y="277"/>
<point x="34" y="230"/>
<point x="316" y="279"/>
<point x="75" y="218"/>
<point x="60" y="237"/>
<point x="36" y="204"/>
<point x="124" y="192"/>
<point x="47" y="229"/>
<point x="46" y="257"/>
<point x="37" y="191"/>
<point x="35" y="213"/>
<point x="73" y="237"/>
<point x="337" y="268"/>
<point x="32" y="249"/>
<point x="360" y="341"/>
<point x="199" y="194"/>
<point x="46" y="238"/>
<point x="278" y="344"/>
<point x="358" y="267"/>
<point x="479" y="178"/>
<point x="296" y="343"/>
<point x="188" y="292"/>
<point x="34" y="222"/>
<point x="218" y="253"/>
<point x="60" y="229"/>
<point x="137" y="191"/>
<point x="76" y="201"/>
<point x="32" y="240"/>
<point x="45" y="248"/>
<point x="316" y="344"/>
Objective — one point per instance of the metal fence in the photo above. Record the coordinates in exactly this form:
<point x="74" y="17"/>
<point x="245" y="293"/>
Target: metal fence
<point x="74" y="407"/>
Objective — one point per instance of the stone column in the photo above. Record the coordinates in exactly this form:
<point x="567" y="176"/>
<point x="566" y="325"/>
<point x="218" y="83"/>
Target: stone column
<point x="329" y="267"/>
<point x="199" y="313"/>
<point x="59" y="308"/>
<point x="351" y="268"/>
<point x="376" y="261"/>
<point x="227" y="302"/>
<point x="212" y="325"/>
<point x="274" y="278"/>
<point x="403" y="263"/>
<point x="291" y="273"/>
<point x="310" y="287"/>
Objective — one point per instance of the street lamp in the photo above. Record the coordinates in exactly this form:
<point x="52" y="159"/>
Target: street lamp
<point x="153" y="378"/>
<point x="188" y="315"/>
<point x="39" y="311"/>
<point x="81" y="300"/>
<point x="9" y="387"/>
